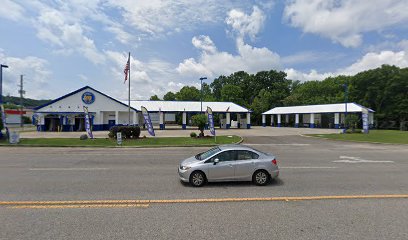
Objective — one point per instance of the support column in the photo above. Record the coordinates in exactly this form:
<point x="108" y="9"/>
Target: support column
<point x="336" y="120"/>
<point x="272" y="119"/>
<point x="184" y="124"/>
<point x="41" y="123"/>
<point x="135" y="118"/>
<point x="263" y="120"/>
<point x="116" y="118"/>
<point x="279" y="120"/>
<point x="297" y="120"/>
<point x="161" y="120"/>
<point x="312" y="116"/>
<point x="239" y="120"/>
<point x="248" y="120"/>
<point x="228" y="123"/>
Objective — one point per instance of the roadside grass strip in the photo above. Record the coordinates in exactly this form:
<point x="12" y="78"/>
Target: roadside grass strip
<point x="374" y="136"/>
<point x="141" y="142"/>
<point x="147" y="203"/>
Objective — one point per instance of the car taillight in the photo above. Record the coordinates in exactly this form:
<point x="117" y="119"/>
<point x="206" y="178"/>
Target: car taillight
<point x="274" y="161"/>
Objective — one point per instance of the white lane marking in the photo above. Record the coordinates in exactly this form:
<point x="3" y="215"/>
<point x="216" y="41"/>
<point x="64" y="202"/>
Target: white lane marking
<point x="67" y="169"/>
<point x="307" y="167"/>
<point x="277" y="144"/>
<point x="348" y="159"/>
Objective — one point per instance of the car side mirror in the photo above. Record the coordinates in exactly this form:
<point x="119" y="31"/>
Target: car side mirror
<point x="216" y="161"/>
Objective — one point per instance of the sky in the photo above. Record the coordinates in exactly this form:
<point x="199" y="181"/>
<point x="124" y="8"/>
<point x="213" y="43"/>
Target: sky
<point x="62" y="45"/>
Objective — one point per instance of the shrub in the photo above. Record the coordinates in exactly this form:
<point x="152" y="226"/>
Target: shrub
<point x="83" y="137"/>
<point x="200" y="120"/>
<point x="128" y="132"/>
<point x="193" y="134"/>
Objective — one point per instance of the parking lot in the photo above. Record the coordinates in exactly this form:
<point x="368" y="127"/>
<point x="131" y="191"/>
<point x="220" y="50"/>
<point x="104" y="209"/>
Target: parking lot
<point x="309" y="168"/>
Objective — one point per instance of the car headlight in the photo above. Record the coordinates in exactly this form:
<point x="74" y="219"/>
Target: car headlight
<point x="184" y="167"/>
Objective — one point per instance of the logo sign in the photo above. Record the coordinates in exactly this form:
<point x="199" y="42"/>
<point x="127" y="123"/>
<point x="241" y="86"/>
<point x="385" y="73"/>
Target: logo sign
<point x="119" y="138"/>
<point x="87" y="123"/>
<point x="211" y="120"/>
<point x="148" y="121"/>
<point x="88" y="98"/>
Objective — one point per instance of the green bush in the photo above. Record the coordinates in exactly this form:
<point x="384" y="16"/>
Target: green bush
<point x="200" y="120"/>
<point x="128" y="132"/>
<point x="193" y="134"/>
<point x="83" y="137"/>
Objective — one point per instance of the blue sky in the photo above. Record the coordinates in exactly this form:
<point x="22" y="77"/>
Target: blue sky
<point x="61" y="46"/>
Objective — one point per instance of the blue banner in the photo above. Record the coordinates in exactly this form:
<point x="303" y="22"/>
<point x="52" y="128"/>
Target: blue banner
<point x="87" y="123"/>
<point x="3" y="118"/>
<point x="148" y="121"/>
<point x="210" y="120"/>
<point x="365" y="122"/>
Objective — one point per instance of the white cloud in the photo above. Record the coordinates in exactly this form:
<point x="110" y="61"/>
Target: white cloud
<point x="368" y="61"/>
<point x="11" y="10"/>
<point x="345" y="21"/>
<point x="244" y="24"/>
<point x="35" y="71"/>
<point x="212" y="63"/>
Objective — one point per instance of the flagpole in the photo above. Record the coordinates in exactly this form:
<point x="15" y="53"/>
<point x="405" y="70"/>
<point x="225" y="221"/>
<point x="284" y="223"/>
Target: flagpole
<point x="129" y="92"/>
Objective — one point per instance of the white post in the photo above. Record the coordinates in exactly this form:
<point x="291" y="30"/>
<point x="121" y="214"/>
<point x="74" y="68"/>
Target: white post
<point x="228" y="120"/>
<point x="312" y="117"/>
<point x="279" y="120"/>
<point x="272" y="119"/>
<point x="135" y="119"/>
<point x="116" y="117"/>
<point x="336" y="120"/>
<point x="248" y="120"/>
<point x="161" y="121"/>
<point x="184" y="125"/>
<point x="263" y="120"/>
<point x="297" y="120"/>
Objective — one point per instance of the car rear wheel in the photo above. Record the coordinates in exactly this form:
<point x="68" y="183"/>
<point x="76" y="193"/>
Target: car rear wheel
<point x="197" y="179"/>
<point x="261" y="178"/>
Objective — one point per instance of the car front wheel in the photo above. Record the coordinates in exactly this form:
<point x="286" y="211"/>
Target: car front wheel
<point x="197" y="179"/>
<point x="260" y="178"/>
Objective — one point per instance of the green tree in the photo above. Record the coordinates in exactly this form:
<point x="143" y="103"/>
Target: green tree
<point x="169" y="96"/>
<point x="232" y="93"/>
<point x="188" y="93"/>
<point x="199" y="120"/>
<point x="262" y="103"/>
<point x="154" y="98"/>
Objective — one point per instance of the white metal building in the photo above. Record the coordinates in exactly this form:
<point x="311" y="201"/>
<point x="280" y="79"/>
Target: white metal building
<point x="165" y="110"/>
<point x="66" y="113"/>
<point x="326" y="115"/>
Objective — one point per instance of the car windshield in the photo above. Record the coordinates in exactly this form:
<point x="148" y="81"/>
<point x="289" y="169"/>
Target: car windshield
<point x="209" y="153"/>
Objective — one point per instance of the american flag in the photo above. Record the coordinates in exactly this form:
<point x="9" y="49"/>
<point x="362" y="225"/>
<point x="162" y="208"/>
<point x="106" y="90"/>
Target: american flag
<point x="126" y="70"/>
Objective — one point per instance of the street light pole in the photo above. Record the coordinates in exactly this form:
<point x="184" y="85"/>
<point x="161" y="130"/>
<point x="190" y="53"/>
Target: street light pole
<point x="345" y="104"/>
<point x="1" y="82"/>
<point x="201" y="92"/>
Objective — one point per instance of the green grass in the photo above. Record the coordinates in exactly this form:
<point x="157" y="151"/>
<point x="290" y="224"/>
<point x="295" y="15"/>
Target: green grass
<point x="145" y="142"/>
<point x="380" y="136"/>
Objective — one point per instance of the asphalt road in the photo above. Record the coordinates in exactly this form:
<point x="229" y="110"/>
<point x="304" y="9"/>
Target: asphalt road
<point x="309" y="167"/>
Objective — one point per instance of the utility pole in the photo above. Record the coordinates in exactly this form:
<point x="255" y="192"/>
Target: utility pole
<point x="22" y="92"/>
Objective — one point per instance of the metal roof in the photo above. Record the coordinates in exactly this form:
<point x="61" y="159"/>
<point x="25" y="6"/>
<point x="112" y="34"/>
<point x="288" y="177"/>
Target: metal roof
<point x="187" y="106"/>
<point x="325" y="108"/>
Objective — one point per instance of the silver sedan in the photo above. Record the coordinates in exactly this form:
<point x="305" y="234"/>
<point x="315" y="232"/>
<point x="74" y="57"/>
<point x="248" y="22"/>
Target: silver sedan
<point x="229" y="163"/>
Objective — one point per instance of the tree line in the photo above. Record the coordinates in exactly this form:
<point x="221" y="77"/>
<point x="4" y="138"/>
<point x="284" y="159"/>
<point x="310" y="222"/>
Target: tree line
<point x="384" y="89"/>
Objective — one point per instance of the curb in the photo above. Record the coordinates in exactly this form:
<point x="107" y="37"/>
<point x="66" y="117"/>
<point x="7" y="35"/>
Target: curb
<point x="128" y="147"/>
<point x="355" y="141"/>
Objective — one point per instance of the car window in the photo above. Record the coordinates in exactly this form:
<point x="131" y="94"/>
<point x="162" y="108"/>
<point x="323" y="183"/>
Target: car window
<point x="246" y="155"/>
<point x="225" y="156"/>
<point x="208" y="153"/>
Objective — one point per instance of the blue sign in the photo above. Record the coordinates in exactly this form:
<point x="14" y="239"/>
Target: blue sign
<point x="148" y="121"/>
<point x="88" y="98"/>
<point x="87" y="123"/>
<point x="211" y="120"/>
